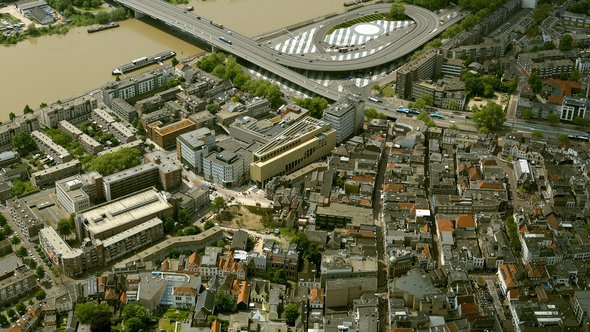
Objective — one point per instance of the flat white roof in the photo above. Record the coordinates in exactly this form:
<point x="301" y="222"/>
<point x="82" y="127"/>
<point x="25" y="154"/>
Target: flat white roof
<point x="524" y="165"/>
<point x="124" y="210"/>
<point x="58" y="245"/>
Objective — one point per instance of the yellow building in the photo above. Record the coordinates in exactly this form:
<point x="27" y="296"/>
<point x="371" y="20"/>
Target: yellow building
<point x="301" y="144"/>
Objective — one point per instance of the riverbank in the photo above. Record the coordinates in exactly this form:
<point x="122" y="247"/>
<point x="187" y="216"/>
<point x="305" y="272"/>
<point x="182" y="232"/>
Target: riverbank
<point x="73" y="18"/>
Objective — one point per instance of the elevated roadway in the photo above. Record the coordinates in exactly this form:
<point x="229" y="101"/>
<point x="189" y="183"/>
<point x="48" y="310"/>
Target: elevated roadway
<point x="221" y="38"/>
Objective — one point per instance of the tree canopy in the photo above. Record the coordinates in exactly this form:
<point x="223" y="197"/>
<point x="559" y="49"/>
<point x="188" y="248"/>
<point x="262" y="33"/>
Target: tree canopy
<point x="135" y="317"/>
<point x="89" y="311"/>
<point x="491" y="117"/>
<point x="23" y="143"/>
<point x="397" y="11"/>
<point x="224" y="303"/>
<point x="316" y="105"/>
<point x="114" y="162"/>
<point x="372" y="113"/>
<point x="291" y="313"/>
<point x="566" y="42"/>
<point x="65" y="227"/>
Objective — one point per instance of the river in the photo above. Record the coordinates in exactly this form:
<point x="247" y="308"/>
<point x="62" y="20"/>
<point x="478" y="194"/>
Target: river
<point x="51" y="68"/>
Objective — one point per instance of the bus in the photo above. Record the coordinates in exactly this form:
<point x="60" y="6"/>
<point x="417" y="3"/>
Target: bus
<point x="437" y="115"/>
<point x="578" y="138"/>
<point x="217" y="25"/>
<point x="225" y="40"/>
<point x="375" y="100"/>
<point x="403" y="110"/>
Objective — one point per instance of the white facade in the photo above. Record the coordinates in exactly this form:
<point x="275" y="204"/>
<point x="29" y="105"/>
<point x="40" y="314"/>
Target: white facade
<point x="71" y="197"/>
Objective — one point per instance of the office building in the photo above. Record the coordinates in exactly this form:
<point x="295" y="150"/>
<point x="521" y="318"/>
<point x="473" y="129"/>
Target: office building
<point x="132" y="86"/>
<point x="53" y="150"/>
<point x="230" y="167"/>
<point x="257" y="107"/>
<point x="303" y="143"/>
<point x="573" y="107"/>
<point x="8" y="158"/>
<point x="193" y="146"/>
<point x="346" y="117"/>
<point x="123" y="110"/>
<point x="75" y="110"/>
<point x="165" y="136"/>
<point x="79" y="192"/>
<point x="49" y="176"/>
<point x="110" y="218"/>
<point x="169" y="167"/>
<point x="130" y="180"/>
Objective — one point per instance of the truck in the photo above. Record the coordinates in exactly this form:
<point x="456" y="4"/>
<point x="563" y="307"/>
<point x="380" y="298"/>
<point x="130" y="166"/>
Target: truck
<point x="217" y="25"/>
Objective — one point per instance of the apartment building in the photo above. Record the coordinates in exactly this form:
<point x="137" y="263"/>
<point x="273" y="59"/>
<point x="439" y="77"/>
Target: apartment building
<point x="229" y="167"/>
<point x="193" y="146"/>
<point x="74" y="110"/>
<point x="49" y="176"/>
<point x="130" y="180"/>
<point x="545" y="63"/>
<point x="55" y="151"/>
<point x="16" y="284"/>
<point x="121" y="132"/>
<point x="22" y="215"/>
<point x="132" y="86"/>
<point x="346" y="117"/>
<point x="303" y="143"/>
<point x="123" y="110"/>
<point x="25" y="123"/>
<point x="102" y="118"/>
<point x="165" y="136"/>
<point x="425" y="67"/>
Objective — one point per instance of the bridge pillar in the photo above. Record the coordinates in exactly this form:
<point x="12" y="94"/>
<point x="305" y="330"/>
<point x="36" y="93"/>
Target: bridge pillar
<point x="212" y="48"/>
<point x="138" y="14"/>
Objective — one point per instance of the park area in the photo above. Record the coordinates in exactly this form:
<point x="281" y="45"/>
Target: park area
<point x="248" y="217"/>
<point x="170" y="317"/>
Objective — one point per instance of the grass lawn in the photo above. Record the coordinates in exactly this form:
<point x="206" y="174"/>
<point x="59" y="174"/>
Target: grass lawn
<point x="9" y="18"/>
<point x="177" y="315"/>
<point x="166" y="325"/>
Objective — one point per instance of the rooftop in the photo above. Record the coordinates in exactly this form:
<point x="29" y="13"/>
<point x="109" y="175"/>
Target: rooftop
<point x="124" y="210"/>
<point x="173" y="127"/>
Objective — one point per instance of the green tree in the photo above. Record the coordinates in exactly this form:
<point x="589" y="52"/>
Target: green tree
<point x="291" y="313"/>
<point x="224" y="303"/>
<point x="535" y="82"/>
<point x="278" y="277"/>
<point x="168" y="225"/>
<point x="101" y="324"/>
<point x="316" y="105"/>
<point x="579" y="121"/>
<point x="372" y="113"/>
<point x="553" y="118"/>
<point x="537" y="134"/>
<point x="423" y="101"/>
<point x="491" y="117"/>
<point x="21" y="308"/>
<point x="208" y="224"/>
<point x="174" y="61"/>
<point x="65" y="227"/>
<point x="87" y="312"/>
<point x="563" y="138"/>
<point x="220" y="243"/>
<point x="566" y="42"/>
<point x="527" y="114"/>
<point x="397" y="11"/>
<point x="15" y="240"/>
<point x="23" y="143"/>
<point x="39" y="272"/>
<point x="12" y="314"/>
<point x="27" y="109"/>
<point x="40" y="295"/>
<point x="21" y="251"/>
<point x="574" y="75"/>
<point x="135" y="317"/>
<point x="424" y="116"/>
<point x="114" y="162"/>
<point x="4" y="323"/>
<point x="11" y="116"/>
<point x="218" y="204"/>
